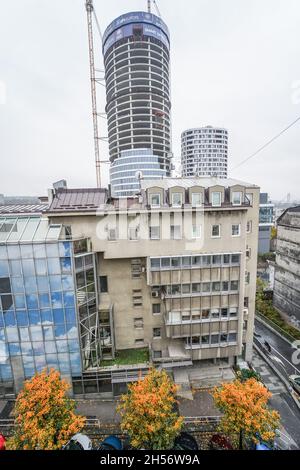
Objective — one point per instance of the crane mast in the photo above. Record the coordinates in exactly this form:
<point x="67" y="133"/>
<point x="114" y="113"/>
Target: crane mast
<point x="90" y="9"/>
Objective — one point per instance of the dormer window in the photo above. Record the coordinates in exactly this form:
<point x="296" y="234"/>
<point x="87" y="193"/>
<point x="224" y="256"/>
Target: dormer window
<point x="236" y="198"/>
<point x="216" y="198"/>
<point x="196" y="199"/>
<point x="176" y="199"/>
<point x="155" y="200"/>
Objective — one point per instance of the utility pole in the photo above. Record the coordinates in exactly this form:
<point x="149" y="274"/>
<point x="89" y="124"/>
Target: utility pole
<point x="90" y="9"/>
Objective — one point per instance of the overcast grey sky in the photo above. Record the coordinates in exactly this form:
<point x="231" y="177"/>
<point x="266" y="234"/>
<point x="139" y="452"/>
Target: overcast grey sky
<point x="235" y="63"/>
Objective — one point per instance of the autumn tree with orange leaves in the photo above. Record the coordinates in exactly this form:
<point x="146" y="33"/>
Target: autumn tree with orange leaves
<point x="148" y="412"/>
<point x="44" y="414"/>
<point x="246" y="412"/>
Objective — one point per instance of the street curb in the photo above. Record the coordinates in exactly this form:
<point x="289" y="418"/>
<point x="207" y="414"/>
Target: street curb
<point x="272" y="329"/>
<point x="279" y="374"/>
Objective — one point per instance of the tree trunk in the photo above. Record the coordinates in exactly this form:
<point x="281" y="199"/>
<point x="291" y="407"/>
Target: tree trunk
<point x="241" y="440"/>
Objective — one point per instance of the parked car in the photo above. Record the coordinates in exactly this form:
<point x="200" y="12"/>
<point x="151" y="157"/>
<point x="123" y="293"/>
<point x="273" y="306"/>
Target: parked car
<point x="295" y="381"/>
<point x="111" y="443"/>
<point x="79" y="442"/>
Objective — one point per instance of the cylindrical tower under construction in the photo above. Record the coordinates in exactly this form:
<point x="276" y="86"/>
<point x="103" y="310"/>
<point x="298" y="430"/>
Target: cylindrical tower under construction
<point x="136" y="49"/>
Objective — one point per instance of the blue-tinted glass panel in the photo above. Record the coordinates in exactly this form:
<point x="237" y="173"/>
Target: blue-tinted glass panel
<point x="67" y="283"/>
<point x="39" y="250"/>
<point x="55" y="283"/>
<point x="70" y="316"/>
<point x="52" y="361"/>
<point x="30" y="284"/>
<point x="14" y="349"/>
<point x="56" y="299"/>
<point x="24" y="334"/>
<point x="26" y="251"/>
<point x="15" y="268"/>
<point x="13" y="251"/>
<point x="73" y="345"/>
<point x="46" y="316"/>
<point x="42" y="283"/>
<point x="36" y="333"/>
<point x="41" y="267"/>
<point x="3" y="351"/>
<point x="34" y="317"/>
<point x="38" y="348"/>
<point x="44" y="300"/>
<point x="65" y="249"/>
<point x="26" y="349"/>
<point x="62" y="346"/>
<point x="65" y="264"/>
<point x="22" y="318"/>
<point x="20" y="301"/>
<point x="12" y="334"/>
<point x="9" y="318"/>
<point x="29" y="369"/>
<point x="53" y="266"/>
<point x="4" y="268"/>
<point x="3" y="253"/>
<point x="60" y="332"/>
<point x="5" y="371"/>
<point x="48" y="333"/>
<point x="52" y="250"/>
<point x="40" y="362"/>
<point x="58" y="316"/>
<point x="17" y="285"/>
<point x="28" y="267"/>
<point x="32" y="301"/>
<point x="2" y="335"/>
<point x="1" y="318"/>
<point x="68" y="299"/>
<point x="71" y="331"/>
<point x="50" y="347"/>
<point x="64" y="365"/>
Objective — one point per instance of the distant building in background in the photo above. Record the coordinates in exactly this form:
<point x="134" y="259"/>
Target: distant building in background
<point x="136" y="50"/>
<point x="204" y="152"/>
<point x="266" y="222"/>
<point x="287" y="268"/>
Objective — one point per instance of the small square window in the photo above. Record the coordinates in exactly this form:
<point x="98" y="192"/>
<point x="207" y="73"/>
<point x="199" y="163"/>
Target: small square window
<point x="196" y="232"/>
<point x="156" y="309"/>
<point x="155" y="200"/>
<point x="236" y="198"/>
<point x="157" y="354"/>
<point x="154" y="233"/>
<point x="196" y="199"/>
<point x="176" y="199"/>
<point x="234" y="285"/>
<point x="235" y="259"/>
<point x="156" y="332"/>
<point x="236" y="230"/>
<point x="215" y="231"/>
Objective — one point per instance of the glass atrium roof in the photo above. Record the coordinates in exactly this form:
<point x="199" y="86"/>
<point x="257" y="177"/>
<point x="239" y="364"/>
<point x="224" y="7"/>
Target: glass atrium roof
<point x="28" y="229"/>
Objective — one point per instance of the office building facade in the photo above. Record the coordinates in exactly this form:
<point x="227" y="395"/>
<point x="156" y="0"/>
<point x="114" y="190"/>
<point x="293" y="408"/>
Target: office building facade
<point x="204" y="152"/>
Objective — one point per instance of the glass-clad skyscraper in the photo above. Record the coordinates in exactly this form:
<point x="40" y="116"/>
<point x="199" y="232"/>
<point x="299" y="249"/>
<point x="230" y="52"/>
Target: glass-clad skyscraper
<point x="48" y="302"/>
<point x="130" y="167"/>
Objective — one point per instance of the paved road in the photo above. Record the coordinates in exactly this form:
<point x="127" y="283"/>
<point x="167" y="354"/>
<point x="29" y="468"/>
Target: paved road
<point x="281" y="399"/>
<point x="281" y="352"/>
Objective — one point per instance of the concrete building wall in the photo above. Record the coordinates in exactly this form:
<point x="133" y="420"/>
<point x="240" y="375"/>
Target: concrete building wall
<point x="287" y="270"/>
